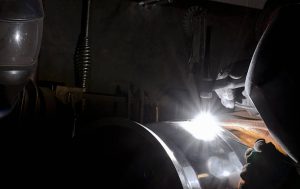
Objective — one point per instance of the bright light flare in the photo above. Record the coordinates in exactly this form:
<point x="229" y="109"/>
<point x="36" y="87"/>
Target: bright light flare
<point x="225" y="173"/>
<point x="204" y="127"/>
<point x="18" y="37"/>
<point x="222" y="167"/>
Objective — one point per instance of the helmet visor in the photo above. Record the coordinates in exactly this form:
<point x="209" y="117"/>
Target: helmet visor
<point x="20" y="42"/>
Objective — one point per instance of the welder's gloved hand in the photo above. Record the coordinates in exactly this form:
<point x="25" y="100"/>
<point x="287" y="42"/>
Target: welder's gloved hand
<point x="267" y="168"/>
<point x="227" y="97"/>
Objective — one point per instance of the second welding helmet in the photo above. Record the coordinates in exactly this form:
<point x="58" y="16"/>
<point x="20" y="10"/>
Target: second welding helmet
<point x="21" y="25"/>
<point x="273" y="79"/>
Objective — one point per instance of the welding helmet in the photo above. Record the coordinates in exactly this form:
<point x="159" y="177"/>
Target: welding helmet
<point x="273" y="79"/>
<point x="21" y="24"/>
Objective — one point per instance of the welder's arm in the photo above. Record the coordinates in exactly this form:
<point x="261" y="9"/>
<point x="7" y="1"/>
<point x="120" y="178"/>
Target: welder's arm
<point x="267" y="168"/>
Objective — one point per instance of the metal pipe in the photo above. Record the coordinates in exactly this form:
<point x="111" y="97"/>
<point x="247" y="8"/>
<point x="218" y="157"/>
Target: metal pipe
<point x="154" y="2"/>
<point x="86" y="9"/>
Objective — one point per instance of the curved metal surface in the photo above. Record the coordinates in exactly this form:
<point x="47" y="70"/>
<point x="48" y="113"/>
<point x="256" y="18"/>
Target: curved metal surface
<point x="216" y="163"/>
<point x="125" y="155"/>
<point x="161" y="155"/>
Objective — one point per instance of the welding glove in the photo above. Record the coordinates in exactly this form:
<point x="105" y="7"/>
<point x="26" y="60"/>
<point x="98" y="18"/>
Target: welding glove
<point x="226" y="96"/>
<point x="267" y="168"/>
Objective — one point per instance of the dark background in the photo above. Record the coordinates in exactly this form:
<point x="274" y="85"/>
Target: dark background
<point x="142" y="47"/>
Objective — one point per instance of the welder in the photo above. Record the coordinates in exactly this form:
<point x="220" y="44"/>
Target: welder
<point x="21" y="24"/>
<point x="25" y="108"/>
<point x="34" y="125"/>
<point x="271" y="84"/>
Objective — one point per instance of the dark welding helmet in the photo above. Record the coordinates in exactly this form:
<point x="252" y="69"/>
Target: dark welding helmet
<point x="21" y="25"/>
<point x="273" y="79"/>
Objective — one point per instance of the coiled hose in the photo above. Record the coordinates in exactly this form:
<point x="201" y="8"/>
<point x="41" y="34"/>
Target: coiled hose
<point x="82" y="57"/>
